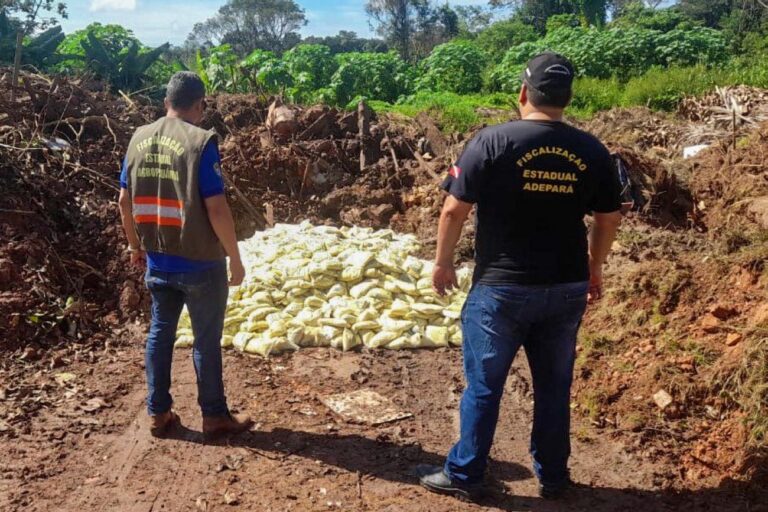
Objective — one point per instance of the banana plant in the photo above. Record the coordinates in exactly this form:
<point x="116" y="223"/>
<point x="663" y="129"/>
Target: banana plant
<point x="40" y="51"/>
<point x="125" y="71"/>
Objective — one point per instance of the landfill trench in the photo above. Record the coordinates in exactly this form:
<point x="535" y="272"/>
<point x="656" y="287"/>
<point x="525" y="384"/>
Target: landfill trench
<point x="336" y="345"/>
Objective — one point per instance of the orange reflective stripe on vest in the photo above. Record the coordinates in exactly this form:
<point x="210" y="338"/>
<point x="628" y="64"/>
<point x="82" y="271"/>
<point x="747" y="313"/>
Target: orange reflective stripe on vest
<point x="154" y="210"/>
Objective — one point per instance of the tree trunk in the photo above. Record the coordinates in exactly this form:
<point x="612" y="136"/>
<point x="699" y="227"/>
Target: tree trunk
<point x="364" y="132"/>
<point x="17" y="64"/>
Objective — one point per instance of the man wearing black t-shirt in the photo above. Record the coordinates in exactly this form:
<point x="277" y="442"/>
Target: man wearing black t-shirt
<point x="533" y="181"/>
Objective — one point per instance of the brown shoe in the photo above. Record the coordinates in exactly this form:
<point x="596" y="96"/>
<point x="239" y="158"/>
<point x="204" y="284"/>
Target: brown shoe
<point x="162" y="423"/>
<point x="225" y="425"/>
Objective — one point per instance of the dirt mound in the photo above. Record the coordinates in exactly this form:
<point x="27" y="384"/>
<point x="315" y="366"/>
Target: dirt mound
<point x="61" y="274"/>
<point x="317" y="164"/>
<point x="730" y="185"/>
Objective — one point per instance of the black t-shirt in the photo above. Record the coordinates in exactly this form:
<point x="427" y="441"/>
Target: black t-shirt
<point x="533" y="182"/>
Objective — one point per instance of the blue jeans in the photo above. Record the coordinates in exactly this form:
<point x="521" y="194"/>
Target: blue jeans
<point x="496" y="321"/>
<point x="205" y="294"/>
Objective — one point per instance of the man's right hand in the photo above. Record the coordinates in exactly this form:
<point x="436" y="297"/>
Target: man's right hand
<point x="138" y="258"/>
<point x="236" y="272"/>
<point x="595" y="282"/>
<point x="444" y="278"/>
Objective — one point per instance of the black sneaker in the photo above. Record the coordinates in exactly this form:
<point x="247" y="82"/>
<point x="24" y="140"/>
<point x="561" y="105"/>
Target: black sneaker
<point x="434" y="479"/>
<point x="555" y="492"/>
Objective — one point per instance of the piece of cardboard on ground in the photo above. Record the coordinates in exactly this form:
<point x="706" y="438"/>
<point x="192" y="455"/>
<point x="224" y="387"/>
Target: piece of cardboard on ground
<point x="365" y="406"/>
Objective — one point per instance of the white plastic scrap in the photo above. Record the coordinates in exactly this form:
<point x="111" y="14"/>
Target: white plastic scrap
<point x="323" y="286"/>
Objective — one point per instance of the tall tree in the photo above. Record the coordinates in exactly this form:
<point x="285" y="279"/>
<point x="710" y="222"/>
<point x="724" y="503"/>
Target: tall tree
<point x="347" y="41"/>
<point x="252" y="24"/>
<point x="537" y="12"/>
<point x="395" y="21"/>
<point x="473" y="18"/>
<point x="32" y="12"/>
<point x="709" y="12"/>
<point x="434" y="26"/>
<point x="498" y="38"/>
<point x="618" y="7"/>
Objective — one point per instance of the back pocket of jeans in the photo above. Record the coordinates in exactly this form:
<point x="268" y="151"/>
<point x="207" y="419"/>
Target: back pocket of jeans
<point x="504" y="295"/>
<point x="577" y="296"/>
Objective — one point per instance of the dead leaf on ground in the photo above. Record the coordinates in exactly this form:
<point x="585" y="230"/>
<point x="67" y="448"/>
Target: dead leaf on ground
<point x="94" y="404"/>
<point x="64" y="377"/>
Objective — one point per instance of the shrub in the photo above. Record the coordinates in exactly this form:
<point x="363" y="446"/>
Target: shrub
<point x="375" y="76"/>
<point x="623" y="53"/>
<point x="310" y="64"/>
<point x="497" y="39"/>
<point x="454" y="67"/>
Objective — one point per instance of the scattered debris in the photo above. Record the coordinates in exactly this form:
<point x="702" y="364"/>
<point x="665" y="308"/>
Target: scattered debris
<point x="231" y="498"/>
<point x="365" y="406"/>
<point x="94" y="404"/>
<point x="691" y="151"/>
<point x="231" y="463"/>
<point x="662" y="399"/>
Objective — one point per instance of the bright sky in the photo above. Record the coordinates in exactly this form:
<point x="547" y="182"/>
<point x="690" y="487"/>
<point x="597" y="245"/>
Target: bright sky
<point x="156" y="22"/>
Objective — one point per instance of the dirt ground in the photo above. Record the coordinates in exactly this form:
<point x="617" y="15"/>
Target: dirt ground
<point x="89" y="448"/>
<point x="685" y="311"/>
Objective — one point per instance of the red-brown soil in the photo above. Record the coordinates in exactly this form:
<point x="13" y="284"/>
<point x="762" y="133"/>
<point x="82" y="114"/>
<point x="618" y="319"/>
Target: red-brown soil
<point x="685" y="312"/>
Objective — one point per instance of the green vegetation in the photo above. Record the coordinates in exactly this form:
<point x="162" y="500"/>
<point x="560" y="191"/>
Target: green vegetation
<point x="453" y="67"/>
<point x="463" y="64"/>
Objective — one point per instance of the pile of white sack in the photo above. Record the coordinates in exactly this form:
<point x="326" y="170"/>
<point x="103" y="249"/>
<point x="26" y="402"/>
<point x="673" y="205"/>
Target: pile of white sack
<point x="323" y="286"/>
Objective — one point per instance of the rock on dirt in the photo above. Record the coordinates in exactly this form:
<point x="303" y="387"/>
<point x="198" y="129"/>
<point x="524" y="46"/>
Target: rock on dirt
<point x="710" y="323"/>
<point x="759" y="209"/>
<point x="723" y="312"/>
<point x="662" y="399"/>
<point x="760" y="316"/>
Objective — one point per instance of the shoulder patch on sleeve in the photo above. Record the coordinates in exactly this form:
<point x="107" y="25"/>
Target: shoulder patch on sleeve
<point x="217" y="169"/>
<point x="454" y="171"/>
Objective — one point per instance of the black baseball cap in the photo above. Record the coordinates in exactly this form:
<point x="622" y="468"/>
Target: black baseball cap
<point x="549" y="72"/>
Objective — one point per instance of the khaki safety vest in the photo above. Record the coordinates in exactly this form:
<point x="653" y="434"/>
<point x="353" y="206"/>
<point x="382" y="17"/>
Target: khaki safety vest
<point x="163" y="169"/>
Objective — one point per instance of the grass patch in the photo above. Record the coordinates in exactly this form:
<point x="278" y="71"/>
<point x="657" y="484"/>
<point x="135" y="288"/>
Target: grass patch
<point x="591" y="95"/>
<point x="747" y="386"/>
<point x="591" y="403"/>
<point x="454" y="112"/>
<point x="593" y="344"/>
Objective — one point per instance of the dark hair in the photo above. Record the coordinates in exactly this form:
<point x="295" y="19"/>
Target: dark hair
<point x="184" y="89"/>
<point x="556" y="99"/>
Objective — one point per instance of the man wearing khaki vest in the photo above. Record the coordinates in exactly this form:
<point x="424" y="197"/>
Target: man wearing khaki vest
<point x="177" y="220"/>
